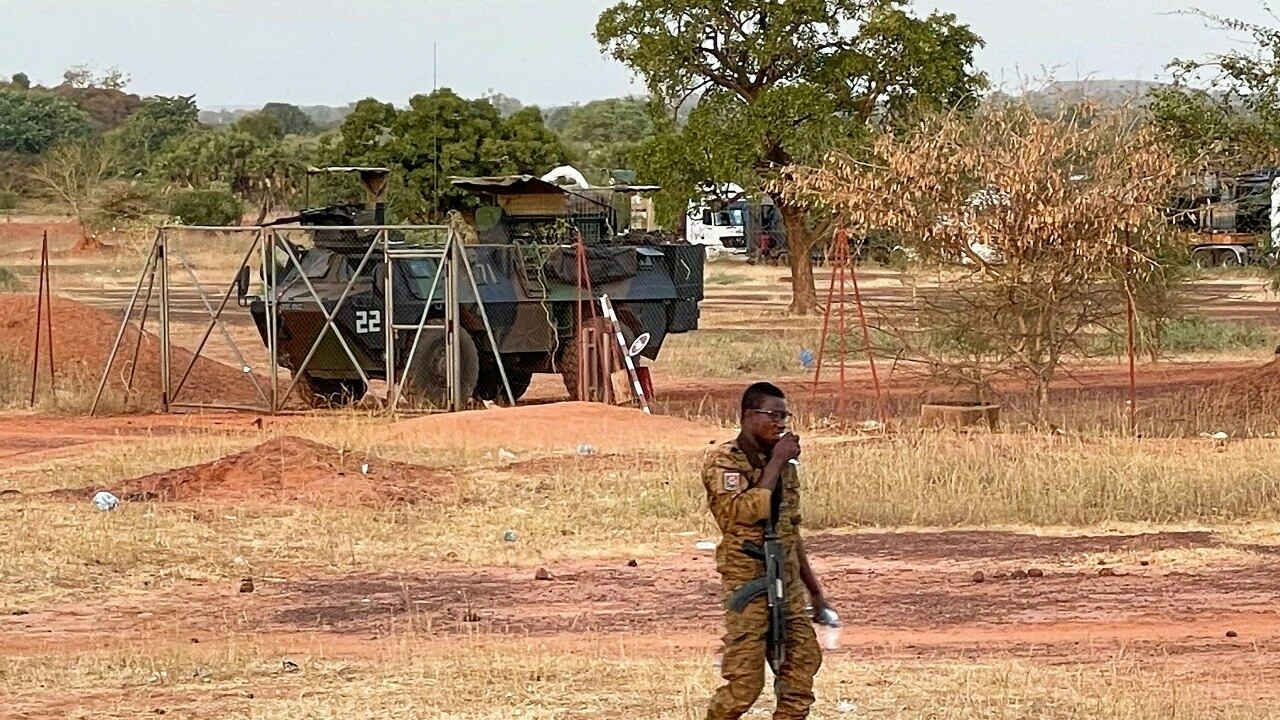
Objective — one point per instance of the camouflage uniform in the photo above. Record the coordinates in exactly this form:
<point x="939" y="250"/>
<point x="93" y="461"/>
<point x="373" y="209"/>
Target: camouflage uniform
<point x="740" y="509"/>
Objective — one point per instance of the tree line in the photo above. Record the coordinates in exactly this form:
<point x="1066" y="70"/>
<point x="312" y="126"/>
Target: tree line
<point x="109" y="156"/>
<point x="737" y="91"/>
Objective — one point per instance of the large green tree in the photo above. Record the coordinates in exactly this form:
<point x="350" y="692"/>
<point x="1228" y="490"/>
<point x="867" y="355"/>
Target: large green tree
<point x="291" y="119"/>
<point x="782" y="81"/>
<point x="260" y="125"/>
<point x="31" y="121"/>
<point x="160" y="119"/>
<point x="439" y="136"/>
<point x="259" y="170"/>
<point x="606" y="132"/>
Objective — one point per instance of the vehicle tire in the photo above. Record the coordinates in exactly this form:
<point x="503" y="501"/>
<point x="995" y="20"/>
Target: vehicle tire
<point x="569" y="358"/>
<point x="1229" y="259"/>
<point x="426" y="381"/>
<point x="330" y="393"/>
<point x="489" y="384"/>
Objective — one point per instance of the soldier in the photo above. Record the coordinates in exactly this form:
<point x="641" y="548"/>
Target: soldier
<point x="750" y="480"/>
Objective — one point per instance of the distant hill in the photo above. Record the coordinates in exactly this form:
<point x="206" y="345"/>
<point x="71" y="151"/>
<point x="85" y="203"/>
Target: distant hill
<point x="327" y="116"/>
<point x="1108" y="93"/>
<point x="324" y="116"/>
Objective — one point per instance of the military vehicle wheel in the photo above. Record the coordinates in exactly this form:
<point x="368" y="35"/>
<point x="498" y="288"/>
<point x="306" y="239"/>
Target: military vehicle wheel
<point x="569" y="358"/>
<point x="426" y="382"/>
<point x="489" y="385"/>
<point x="327" y="392"/>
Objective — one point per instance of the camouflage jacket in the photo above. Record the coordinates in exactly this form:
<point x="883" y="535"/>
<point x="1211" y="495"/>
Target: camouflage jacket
<point x="741" y="509"/>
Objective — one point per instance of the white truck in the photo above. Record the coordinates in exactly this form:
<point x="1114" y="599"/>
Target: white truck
<point x="718" y="220"/>
<point x="1236" y="219"/>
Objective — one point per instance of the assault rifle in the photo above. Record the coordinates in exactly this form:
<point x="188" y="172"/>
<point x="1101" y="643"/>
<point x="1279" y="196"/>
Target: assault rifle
<point x="770" y="585"/>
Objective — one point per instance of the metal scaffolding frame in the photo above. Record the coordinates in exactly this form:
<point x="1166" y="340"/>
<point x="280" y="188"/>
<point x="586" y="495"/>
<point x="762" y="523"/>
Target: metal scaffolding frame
<point x="270" y="243"/>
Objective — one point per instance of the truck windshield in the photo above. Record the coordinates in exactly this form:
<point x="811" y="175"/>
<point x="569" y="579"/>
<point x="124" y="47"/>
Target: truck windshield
<point x="729" y="218"/>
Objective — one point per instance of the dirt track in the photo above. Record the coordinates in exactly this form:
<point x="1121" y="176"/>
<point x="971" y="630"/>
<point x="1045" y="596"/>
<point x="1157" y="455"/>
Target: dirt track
<point x="902" y="594"/>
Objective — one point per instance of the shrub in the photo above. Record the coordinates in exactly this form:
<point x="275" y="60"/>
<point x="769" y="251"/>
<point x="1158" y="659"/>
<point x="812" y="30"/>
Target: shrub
<point x="119" y="203"/>
<point x="205" y="207"/>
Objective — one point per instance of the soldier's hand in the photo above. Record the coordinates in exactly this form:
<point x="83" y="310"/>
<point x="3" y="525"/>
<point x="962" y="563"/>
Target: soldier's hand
<point x="787" y="448"/>
<point x="819" y="604"/>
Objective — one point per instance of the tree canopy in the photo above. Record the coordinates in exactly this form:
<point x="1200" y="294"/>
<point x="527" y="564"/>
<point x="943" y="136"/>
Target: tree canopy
<point x="1226" y="105"/>
<point x="442" y="135"/>
<point x="258" y="170"/>
<point x="157" y="121"/>
<point x="605" y="133"/>
<point x="290" y="118"/>
<point x="31" y="121"/>
<point x="782" y="81"/>
<point x="1039" y="230"/>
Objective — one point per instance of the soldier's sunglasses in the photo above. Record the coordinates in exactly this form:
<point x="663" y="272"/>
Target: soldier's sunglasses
<point x="777" y="415"/>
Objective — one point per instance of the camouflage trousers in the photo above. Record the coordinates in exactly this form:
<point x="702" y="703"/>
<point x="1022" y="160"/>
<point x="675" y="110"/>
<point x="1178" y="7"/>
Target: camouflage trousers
<point x="744" y="661"/>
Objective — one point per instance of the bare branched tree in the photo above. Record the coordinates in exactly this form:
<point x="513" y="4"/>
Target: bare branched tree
<point x="72" y="172"/>
<point x="1031" y="234"/>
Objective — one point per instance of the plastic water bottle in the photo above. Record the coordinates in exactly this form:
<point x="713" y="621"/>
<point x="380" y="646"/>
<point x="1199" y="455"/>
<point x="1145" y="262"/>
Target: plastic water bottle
<point x="827" y="624"/>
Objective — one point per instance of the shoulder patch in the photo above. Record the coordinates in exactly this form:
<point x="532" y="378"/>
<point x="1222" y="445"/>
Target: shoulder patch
<point x="733" y="481"/>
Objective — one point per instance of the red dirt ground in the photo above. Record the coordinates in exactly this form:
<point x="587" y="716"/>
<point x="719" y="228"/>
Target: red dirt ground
<point x="289" y="470"/>
<point x="1087" y="392"/>
<point x="906" y="595"/>
<point x="82" y="340"/>
<point x="560" y="426"/>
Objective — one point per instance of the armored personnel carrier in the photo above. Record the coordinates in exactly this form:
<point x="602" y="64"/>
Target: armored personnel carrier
<point x="526" y="269"/>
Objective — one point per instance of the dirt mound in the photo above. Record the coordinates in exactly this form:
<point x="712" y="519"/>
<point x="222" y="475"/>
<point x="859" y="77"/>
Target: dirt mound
<point x="291" y="469"/>
<point x="560" y="426"/>
<point x="1244" y="403"/>
<point x="82" y="339"/>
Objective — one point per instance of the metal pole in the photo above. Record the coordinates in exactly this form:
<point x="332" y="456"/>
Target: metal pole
<point x="48" y="297"/>
<point x="35" y="351"/>
<point x="163" y="261"/>
<point x="1130" y="313"/>
<point x="866" y="344"/>
<point x="214" y="322"/>
<point x="453" y="349"/>
<point x="822" y="338"/>
<point x="842" y="252"/>
<point x="148" y="269"/>
<point x="137" y="346"/>
<point x="389" y="324"/>
<point x="269" y="310"/>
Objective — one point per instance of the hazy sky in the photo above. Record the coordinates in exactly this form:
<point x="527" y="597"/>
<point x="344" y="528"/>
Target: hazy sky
<point x="246" y="52"/>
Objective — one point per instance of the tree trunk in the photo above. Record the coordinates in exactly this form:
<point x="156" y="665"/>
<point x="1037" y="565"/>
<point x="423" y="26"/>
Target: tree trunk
<point x="804" y="298"/>
<point x="1042" y="399"/>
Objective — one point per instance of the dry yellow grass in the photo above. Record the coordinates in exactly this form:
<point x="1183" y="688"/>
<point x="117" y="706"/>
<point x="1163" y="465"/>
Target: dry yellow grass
<point x="570" y="508"/>
<point x="410" y="677"/>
